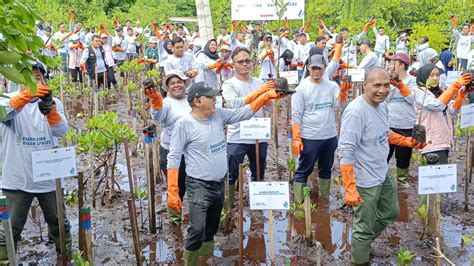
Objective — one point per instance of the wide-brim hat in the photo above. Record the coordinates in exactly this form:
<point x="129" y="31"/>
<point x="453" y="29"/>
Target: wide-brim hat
<point x="175" y="73"/>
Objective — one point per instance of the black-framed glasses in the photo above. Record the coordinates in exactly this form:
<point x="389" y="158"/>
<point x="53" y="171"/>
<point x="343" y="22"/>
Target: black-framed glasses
<point x="246" y="61"/>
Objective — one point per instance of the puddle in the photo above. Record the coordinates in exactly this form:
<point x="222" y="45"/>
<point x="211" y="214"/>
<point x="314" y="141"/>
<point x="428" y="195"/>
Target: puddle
<point x="161" y="253"/>
<point x="113" y="237"/>
<point x="451" y="232"/>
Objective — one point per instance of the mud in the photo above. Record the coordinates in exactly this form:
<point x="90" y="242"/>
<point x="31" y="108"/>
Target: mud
<point x="331" y="226"/>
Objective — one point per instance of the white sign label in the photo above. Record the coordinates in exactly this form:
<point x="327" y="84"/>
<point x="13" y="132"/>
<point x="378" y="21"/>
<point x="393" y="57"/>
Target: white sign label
<point x="269" y="196"/>
<point x="452" y="76"/>
<point x="256" y="128"/>
<point x="467" y="115"/>
<point x="55" y="163"/>
<point x="434" y="179"/>
<point x="357" y="75"/>
<point x="291" y="76"/>
<point x="265" y="10"/>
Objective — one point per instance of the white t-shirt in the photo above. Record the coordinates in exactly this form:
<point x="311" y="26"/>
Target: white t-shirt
<point x="58" y="36"/>
<point x="463" y="48"/>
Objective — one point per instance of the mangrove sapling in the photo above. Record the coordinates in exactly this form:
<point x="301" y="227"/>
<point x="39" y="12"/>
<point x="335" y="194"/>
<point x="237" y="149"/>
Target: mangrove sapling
<point x="405" y="257"/>
<point x="141" y="195"/>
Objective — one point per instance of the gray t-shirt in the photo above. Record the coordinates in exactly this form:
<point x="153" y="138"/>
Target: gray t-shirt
<point x="364" y="141"/>
<point x="401" y="110"/>
<point x="312" y="107"/>
<point x="203" y="143"/>
<point x="185" y="63"/>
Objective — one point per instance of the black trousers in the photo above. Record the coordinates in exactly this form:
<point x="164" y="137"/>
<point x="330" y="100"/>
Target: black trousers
<point x="182" y="171"/>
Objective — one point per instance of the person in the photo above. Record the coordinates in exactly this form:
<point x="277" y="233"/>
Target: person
<point x="180" y="60"/>
<point x="401" y="112"/>
<point x="105" y="42"/>
<point x="227" y="69"/>
<point x="321" y="42"/>
<point x="363" y="145"/>
<point x="382" y="42"/>
<point x="302" y="53"/>
<point x="76" y="48"/>
<point x="33" y="122"/>
<point x="200" y="136"/>
<point x="445" y="64"/>
<point x="131" y="53"/>
<point x="287" y="61"/>
<point x="267" y="57"/>
<point x="292" y="44"/>
<point x="62" y="36"/>
<point x="224" y="37"/>
<point x="119" y="46"/>
<point x="167" y="111"/>
<point x="93" y="62"/>
<point x="237" y="39"/>
<point x="370" y="59"/>
<point x="464" y="41"/>
<point x="233" y="91"/>
<point x="424" y="44"/>
<point x="151" y="54"/>
<point x="49" y="49"/>
<point x="436" y="107"/>
<point x="209" y="62"/>
<point x="89" y="34"/>
<point x="314" y="126"/>
<point x="401" y="44"/>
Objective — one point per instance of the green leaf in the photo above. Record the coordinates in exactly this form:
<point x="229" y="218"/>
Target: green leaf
<point x="12" y="75"/>
<point x="9" y="57"/>
<point x="3" y="112"/>
<point x="11" y="31"/>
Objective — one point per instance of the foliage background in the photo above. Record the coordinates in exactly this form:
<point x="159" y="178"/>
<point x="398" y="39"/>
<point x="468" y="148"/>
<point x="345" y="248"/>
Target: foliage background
<point x="421" y="17"/>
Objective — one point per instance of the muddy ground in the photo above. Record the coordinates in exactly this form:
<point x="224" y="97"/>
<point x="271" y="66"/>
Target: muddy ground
<point x="331" y="225"/>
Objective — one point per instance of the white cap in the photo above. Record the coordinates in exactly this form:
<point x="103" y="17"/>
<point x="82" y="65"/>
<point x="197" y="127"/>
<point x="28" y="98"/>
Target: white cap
<point x="74" y="37"/>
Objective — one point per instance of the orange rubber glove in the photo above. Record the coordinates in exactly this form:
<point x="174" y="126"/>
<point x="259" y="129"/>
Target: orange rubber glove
<point x="460" y="99"/>
<point x="297" y="145"/>
<point x="234" y="25"/>
<point x="366" y="27"/>
<point x="150" y="60"/>
<point x="321" y="21"/>
<point x="140" y="60"/>
<point x="284" y="34"/>
<point x="352" y="195"/>
<point x="337" y="51"/>
<point x="321" y="30"/>
<point x="75" y="46"/>
<point x="264" y="98"/>
<point x="217" y="64"/>
<point x="450" y="92"/>
<point x="345" y="87"/>
<point x="404" y="90"/>
<point x="192" y="73"/>
<point x="399" y="140"/>
<point x="116" y="22"/>
<point x="82" y="68"/>
<point x="25" y="96"/>
<point x="343" y="65"/>
<point x="156" y="100"/>
<point x="287" y="23"/>
<point x="173" y="202"/>
<point x="307" y="26"/>
<point x="155" y="30"/>
<point x="71" y="14"/>
<point x="269" y="85"/>
<point x="53" y="116"/>
<point x="244" y="28"/>
<point x="453" y="21"/>
<point x="117" y="49"/>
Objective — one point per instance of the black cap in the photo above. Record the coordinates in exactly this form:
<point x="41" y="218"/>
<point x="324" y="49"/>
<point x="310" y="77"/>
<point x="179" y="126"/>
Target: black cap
<point x="201" y="89"/>
<point x="364" y="41"/>
<point x="317" y="60"/>
<point x="47" y="28"/>
<point x="148" y="83"/>
<point x="118" y="29"/>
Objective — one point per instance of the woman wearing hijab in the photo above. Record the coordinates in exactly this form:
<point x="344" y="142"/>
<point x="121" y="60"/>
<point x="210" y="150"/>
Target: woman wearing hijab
<point x="287" y="62"/>
<point x="164" y="50"/>
<point x="434" y="108"/>
<point x="208" y="62"/>
<point x="445" y="64"/>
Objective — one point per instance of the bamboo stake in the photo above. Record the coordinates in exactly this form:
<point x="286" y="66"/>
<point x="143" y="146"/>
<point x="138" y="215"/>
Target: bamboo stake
<point x="440" y="253"/>
<point x="468" y="172"/>
<point x="133" y="221"/>
<point x="307" y="217"/>
<point x="275" y="137"/>
<point x="129" y="170"/>
<point x="62" y="232"/>
<point x="241" y="215"/>
<point x="257" y="159"/>
<point x="272" y="237"/>
<point x="151" y="187"/>
<point x="156" y="160"/>
<point x="7" y="230"/>
<point x="80" y="205"/>
<point x="86" y="225"/>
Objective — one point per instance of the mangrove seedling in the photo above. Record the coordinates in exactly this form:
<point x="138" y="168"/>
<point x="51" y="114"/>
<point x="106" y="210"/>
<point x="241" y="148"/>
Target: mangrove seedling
<point x="405" y="257"/>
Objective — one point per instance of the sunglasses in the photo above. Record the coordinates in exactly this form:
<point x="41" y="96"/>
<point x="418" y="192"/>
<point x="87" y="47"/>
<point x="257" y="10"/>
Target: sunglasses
<point x="246" y="61"/>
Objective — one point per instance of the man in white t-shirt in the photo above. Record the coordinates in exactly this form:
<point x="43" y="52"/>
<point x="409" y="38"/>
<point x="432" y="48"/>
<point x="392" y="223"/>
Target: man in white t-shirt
<point x="382" y="42"/>
<point x="464" y="40"/>
<point x="370" y="59"/>
<point x="302" y="53"/>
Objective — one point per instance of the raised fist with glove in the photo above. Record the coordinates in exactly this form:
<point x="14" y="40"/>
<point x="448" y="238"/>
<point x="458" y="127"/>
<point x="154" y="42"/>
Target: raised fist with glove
<point x="397" y="83"/>
<point x="71" y="14"/>
<point x="452" y="91"/>
<point x="21" y="99"/>
<point x="156" y="100"/>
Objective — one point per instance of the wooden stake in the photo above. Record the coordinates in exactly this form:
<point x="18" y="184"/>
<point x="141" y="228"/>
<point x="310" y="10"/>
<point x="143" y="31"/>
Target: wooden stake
<point x="241" y="215"/>
<point x="257" y="159"/>
<point x="86" y="225"/>
<point x="307" y="219"/>
<point x="275" y="137"/>
<point x="7" y="230"/>
<point x="156" y="161"/>
<point x="440" y="253"/>
<point x="133" y="221"/>
<point x="272" y="238"/>
<point x="92" y="169"/>
<point x="62" y="232"/>
<point x="80" y="205"/>
<point x="468" y="172"/>
<point x="151" y="187"/>
<point x="129" y="171"/>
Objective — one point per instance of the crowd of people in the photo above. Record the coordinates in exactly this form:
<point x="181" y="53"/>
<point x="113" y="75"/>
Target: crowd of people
<point x="403" y="89"/>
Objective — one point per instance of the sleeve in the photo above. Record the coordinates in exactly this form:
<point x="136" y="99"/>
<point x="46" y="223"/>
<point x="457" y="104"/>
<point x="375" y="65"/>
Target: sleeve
<point x="376" y="33"/>
<point x="161" y="114"/>
<point x="365" y="61"/>
<point x="326" y="30"/>
<point x="85" y="55"/>
<point x="332" y="67"/>
<point x="71" y="25"/>
<point x="202" y="61"/>
<point x="232" y="99"/>
<point x="297" y="106"/>
<point x="231" y="116"/>
<point x="10" y="112"/>
<point x="351" y="133"/>
<point x="428" y="102"/>
<point x="192" y="63"/>
<point x="457" y="34"/>
<point x="361" y="35"/>
<point x="60" y="130"/>
<point x="167" y="66"/>
<point x="387" y="43"/>
<point x="177" y="143"/>
<point x="281" y="65"/>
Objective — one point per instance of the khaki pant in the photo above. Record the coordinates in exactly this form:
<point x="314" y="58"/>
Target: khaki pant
<point x="380" y="208"/>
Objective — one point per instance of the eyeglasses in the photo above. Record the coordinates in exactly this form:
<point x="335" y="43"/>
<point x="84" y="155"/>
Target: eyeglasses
<point x="246" y="61"/>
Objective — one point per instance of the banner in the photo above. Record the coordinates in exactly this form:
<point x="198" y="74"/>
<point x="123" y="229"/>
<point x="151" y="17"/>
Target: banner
<point x="265" y="10"/>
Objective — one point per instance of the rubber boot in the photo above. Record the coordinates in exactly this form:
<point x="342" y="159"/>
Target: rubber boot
<point x="298" y="191"/>
<point x="57" y="244"/>
<point x="3" y="255"/>
<point x="231" y="195"/>
<point x="402" y="177"/>
<point x="360" y="253"/>
<point x="190" y="257"/>
<point x="174" y="216"/>
<point x="324" y="187"/>
<point x="207" y="249"/>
